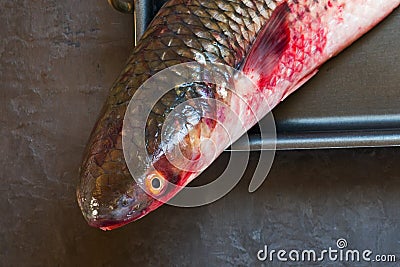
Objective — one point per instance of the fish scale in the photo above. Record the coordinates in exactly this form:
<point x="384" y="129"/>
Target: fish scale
<point x="278" y="44"/>
<point x="168" y="34"/>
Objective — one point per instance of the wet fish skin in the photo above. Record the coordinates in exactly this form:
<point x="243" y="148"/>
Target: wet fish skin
<point x="184" y="30"/>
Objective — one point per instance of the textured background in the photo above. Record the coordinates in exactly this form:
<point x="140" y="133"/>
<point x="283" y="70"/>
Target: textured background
<point x="57" y="61"/>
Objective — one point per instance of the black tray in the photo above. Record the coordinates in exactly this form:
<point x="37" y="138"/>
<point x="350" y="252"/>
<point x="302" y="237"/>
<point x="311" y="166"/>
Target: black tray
<point x="352" y="102"/>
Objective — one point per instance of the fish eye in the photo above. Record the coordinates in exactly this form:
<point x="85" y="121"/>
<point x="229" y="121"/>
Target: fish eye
<point x="155" y="183"/>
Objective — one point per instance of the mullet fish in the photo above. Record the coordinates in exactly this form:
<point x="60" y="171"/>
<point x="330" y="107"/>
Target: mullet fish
<point x="279" y="45"/>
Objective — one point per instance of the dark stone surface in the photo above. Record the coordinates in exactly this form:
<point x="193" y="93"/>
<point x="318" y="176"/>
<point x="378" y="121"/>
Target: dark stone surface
<point x="57" y="61"/>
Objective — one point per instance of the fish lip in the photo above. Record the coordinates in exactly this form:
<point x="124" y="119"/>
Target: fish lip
<point x="107" y="224"/>
<point x="111" y="224"/>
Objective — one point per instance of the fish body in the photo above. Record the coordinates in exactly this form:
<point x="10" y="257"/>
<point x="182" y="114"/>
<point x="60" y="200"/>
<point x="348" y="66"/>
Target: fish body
<point x="278" y="45"/>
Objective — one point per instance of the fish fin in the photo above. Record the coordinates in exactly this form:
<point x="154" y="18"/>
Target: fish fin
<point x="299" y="84"/>
<point x="270" y="44"/>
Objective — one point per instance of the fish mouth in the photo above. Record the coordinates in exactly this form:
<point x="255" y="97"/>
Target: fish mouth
<point x="107" y="224"/>
<point x="110" y="213"/>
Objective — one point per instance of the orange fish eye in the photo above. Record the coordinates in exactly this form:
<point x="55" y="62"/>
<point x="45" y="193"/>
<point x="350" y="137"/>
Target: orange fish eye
<point x="155" y="183"/>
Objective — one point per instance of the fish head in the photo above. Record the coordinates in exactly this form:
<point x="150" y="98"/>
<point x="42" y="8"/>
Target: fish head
<point x="131" y="169"/>
<point x="111" y="195"/>
<point x="111" y="201"/>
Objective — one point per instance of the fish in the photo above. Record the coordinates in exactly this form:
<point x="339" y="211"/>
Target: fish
<point x="278" y="45"/>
